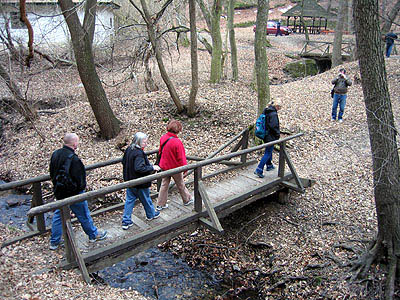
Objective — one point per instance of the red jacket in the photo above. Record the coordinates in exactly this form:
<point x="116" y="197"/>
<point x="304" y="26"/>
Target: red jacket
<point x="173" y="154"/>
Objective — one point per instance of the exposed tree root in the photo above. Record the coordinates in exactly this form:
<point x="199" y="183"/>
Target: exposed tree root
<point x="362" y="265"/>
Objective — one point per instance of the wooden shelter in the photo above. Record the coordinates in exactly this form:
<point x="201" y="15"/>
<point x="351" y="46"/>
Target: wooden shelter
<point x="311" y="11"/>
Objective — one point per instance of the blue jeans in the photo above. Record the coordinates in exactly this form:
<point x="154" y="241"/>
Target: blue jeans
<point x="389" y="49"/>
<point x="81" y="211"/>
<point x="144" y="196"/>
<point x="265" y="160"/>
<point x="341" y="101"/>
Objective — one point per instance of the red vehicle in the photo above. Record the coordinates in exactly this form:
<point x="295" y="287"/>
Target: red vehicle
<point x="272" y="28"/>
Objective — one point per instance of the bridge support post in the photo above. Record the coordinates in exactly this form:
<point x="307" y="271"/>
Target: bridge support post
<point x="37" y="200"/>
<point x="198" y="207"/>
<point x="245" y="144"/>
<point x="66" y="216"/>
<point x="281" y="167"/>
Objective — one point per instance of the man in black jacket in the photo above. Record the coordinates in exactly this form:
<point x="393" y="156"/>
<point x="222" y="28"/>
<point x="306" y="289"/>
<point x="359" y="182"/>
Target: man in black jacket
<point x="78" y="175"/>
<point x="341" y="84"/>
<point x="272" y="134"/>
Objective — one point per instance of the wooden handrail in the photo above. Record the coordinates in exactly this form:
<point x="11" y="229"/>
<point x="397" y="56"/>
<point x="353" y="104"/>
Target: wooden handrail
<point x="41" y="178"/>
<point x="128" y="184"/>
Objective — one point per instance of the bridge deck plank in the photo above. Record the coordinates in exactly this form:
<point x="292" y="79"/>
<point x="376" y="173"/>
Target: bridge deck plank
<point x="236" y="183"/>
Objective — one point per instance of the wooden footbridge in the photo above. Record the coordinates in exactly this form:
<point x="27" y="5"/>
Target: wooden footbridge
<point x="322" y="49"/>
<point x="213" y="200"/>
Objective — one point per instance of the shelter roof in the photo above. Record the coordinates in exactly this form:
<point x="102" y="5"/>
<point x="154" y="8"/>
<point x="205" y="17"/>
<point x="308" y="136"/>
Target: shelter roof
<point x="311" y="9"/>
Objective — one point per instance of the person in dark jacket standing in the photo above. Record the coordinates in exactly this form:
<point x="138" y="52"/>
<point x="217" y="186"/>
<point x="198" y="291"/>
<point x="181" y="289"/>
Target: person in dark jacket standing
<point x="78" y="175"/>
<point x="278" y="28"/>
<point x="135" y="165"/>
<point x="273" y="133"/>
<point x="389" y="39"/>
<point x="341" y="83"/>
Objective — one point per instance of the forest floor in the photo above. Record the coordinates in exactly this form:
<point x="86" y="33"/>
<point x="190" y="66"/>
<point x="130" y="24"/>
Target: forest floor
<point x="310" y="240"/>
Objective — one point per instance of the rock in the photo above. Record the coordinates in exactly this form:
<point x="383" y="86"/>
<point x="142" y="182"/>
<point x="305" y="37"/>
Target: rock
<point x="302" y="68"/>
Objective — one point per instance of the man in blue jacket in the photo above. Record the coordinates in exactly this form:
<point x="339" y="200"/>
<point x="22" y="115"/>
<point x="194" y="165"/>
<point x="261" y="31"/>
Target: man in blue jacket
<point x="78" y="176"/>
<point x="389" y="38"/>
<point x="272" y="134"/>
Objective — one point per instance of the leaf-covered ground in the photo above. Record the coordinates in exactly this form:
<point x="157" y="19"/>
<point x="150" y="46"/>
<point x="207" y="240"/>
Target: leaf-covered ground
<point x="295" y="251"/>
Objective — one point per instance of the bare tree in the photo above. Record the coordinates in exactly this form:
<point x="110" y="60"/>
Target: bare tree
<point x="82" y="40"/>
<point x="194" y="59"/>
<point x="261" y="60"/>
<point x="382" y="133"/>
<point x="303" y="23"/>
<point x="151" y="22"/>
<point x="232" y="40"/>
<point x="337" y="40"/>
<point x="212" y="17"/>
<point x="21" y="104"/>
<point x="390" y="17"/>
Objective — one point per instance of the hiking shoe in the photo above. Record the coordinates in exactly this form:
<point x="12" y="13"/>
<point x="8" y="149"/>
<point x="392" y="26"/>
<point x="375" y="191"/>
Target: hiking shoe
<point x="54" y="247"/>
<point x="100" y="236"/>
<point x="333" y="120"/>
<point x="191" y="201"/>
<point x="160" y="208"/>
<point x="270" y="167"/>
<point x="259" y="174"/>
<point x="340" y="121"/>
<point x="156" y="215"/>
<point x="127" y="226"/>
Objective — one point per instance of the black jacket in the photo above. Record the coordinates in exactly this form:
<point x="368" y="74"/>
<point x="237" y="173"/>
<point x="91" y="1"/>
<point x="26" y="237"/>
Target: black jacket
<point x="76" y="170"/>
<point x="341" y="85"/>
<point x="271" y="124"/>
<point x="135" y="165"/>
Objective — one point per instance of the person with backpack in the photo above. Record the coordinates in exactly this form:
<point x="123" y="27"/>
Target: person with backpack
<point x="68" y="176"/>
<point x="271" y="133"/>
<point x="390" y="37"/>
<point x="172" y="155"/>
<point x="341" y="84"/>
<point x="135" y="165"/>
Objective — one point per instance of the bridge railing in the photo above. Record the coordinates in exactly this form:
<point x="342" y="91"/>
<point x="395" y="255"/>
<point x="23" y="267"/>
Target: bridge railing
<point x="325" y="48"/>
<point x="37" y="191"/>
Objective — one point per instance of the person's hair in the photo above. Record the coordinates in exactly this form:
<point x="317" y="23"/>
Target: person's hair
<point x="342" y="70"/>
<point x="70" y="138"/>
<point x="137" y="139"/>
<point x="174" y="126"/>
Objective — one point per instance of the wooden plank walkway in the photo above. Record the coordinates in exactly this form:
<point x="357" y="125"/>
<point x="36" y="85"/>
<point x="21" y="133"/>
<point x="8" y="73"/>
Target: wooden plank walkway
<point x="238" y="181"/>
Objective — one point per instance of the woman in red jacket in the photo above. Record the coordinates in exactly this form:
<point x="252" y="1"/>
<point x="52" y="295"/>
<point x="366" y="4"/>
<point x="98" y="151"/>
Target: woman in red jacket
<point x="172" y="156"/>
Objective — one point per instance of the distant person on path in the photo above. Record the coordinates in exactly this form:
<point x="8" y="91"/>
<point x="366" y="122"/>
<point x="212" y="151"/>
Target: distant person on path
<point x="278" y="28"/>
<point x="172" y="156"/>
<point x="78" y="176"/>
<point x="272" y="133"/>
<point x="389" y="38"/>
<point x="341" y="84"/>
<point x="136" y="165"/>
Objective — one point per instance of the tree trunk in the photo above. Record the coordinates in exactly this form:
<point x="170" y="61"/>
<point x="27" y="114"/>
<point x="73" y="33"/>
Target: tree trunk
<point x="261" y="60"/>
<point x="390" y="17"/>
<point x="154" y="43"/>
<point x="149" y="83"/>
<point x="303" y="23"/>
<point x="82" y="38"/>
<point x="382" y="132"/>
<point x="193" y="58"/>
<point x="216" y="56"/>
<point x="232" y="40"/>
<point x="21" y="104"/>
<point x="337" y="40"/>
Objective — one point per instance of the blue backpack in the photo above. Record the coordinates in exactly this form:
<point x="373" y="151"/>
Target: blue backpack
<point x="260" y="131"/>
